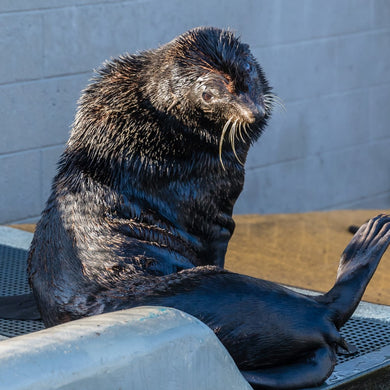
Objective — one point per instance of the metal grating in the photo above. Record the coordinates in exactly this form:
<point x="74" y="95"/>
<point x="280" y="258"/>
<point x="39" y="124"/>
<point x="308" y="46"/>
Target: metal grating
<point x="13" y="277"/>
<point x="13" y="281"/>
<point x="366" y="335"/>
<point x="12" y="328"/>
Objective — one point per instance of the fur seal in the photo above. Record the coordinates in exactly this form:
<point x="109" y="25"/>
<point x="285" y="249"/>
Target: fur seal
<point x="141" y="211"/>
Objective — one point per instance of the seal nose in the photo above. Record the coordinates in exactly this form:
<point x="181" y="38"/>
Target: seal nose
<point x="260" y="110"/>
<point x="251" y="110"/>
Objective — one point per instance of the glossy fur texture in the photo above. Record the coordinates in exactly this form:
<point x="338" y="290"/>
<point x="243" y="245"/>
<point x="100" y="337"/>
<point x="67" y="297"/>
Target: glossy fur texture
<point x="141" y="211"/>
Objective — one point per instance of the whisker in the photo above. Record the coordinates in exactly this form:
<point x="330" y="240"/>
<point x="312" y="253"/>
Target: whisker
<point x="225" y="127"/>
<point x="246" y="130"/>
<point x="233" y="140"/>
<point x="282" y="106"/>
<point x="240" y="132"/>
<point x="275" y="104"/>
<point x="232" y="132"/>
<point x="272" y="96"/>
<point x="267" y="106"/>
<point x="273" y="101"/>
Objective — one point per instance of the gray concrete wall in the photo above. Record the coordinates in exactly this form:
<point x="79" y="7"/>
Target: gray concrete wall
<point x="328" y="60"/>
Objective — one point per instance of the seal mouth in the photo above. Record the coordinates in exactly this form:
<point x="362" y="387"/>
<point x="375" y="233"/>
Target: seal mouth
<point x="249" y="112"/>
<point x="253" y="113"/>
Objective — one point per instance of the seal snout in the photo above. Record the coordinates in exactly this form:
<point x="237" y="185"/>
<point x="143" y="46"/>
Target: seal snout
<point x="253" y="113"/>
<point x="250" y="111"/>
<point x="259" y="111"/>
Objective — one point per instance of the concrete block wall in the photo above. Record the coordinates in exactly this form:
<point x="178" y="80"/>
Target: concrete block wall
<point x="329" y="62"/>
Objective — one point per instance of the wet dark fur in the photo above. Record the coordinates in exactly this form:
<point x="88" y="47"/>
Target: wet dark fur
<point x="141" y="212"/>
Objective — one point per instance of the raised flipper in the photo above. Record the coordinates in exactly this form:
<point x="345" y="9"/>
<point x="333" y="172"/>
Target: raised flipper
<point x="357" y="265"/>
<point x="308" y="372"/>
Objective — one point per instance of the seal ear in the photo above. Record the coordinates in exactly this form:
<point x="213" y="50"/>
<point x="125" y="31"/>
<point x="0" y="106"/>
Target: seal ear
<point x="173" y="98"/>
<point x="246" y="48"/>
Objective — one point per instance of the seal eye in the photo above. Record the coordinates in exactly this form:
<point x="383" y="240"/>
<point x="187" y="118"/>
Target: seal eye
<point x="247" y="67"/>
<point x="207" y="97"/>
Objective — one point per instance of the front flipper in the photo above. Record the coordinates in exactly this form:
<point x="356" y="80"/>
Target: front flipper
<point x="308" y="372"/>
<point x="19" y="307"/>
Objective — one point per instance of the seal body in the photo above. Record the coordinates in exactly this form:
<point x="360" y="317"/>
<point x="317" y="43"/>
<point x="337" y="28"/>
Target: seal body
<point x="146" y="185"/>
<point x="141" y="211"/>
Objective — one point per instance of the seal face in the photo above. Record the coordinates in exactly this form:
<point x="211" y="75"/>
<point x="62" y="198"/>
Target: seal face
<point x="141" y="211"/>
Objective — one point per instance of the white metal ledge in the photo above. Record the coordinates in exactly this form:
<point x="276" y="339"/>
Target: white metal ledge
<point x="141" y="348"/>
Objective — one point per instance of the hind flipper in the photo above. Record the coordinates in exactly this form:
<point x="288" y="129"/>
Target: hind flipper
<point x="308" y="372"/>
<point x="357" y="265"/>
<point x="372" y="239"/>
<point x="19" y="307"/>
